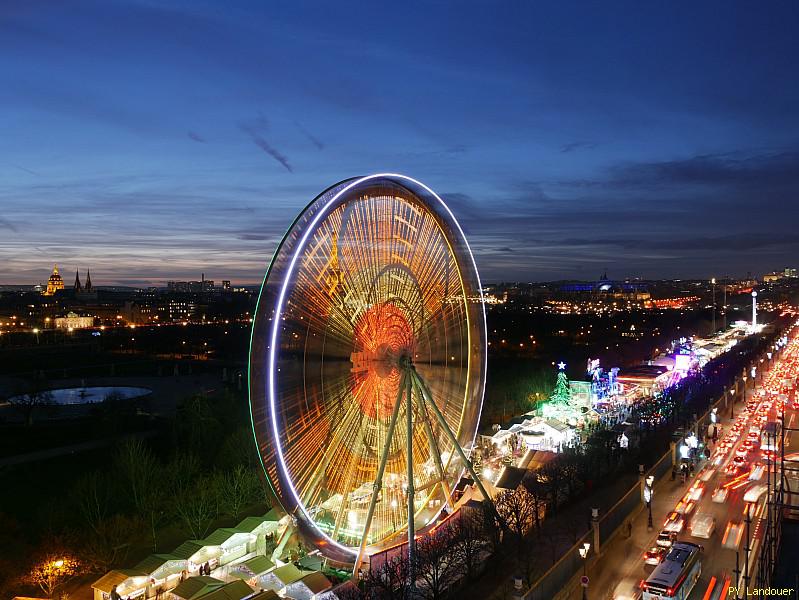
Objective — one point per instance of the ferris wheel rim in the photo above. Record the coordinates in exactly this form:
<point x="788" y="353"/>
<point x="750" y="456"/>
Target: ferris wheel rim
<point x="342" y="188"/>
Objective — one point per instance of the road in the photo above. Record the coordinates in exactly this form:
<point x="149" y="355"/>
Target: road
<point x="621" y="564"/>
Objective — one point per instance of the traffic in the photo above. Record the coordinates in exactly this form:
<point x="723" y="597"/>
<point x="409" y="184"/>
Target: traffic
<point x="710" y="539"/>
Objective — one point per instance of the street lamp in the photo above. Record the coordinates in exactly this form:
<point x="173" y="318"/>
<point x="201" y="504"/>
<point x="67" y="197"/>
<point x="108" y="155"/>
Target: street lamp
<point x="584" y="555"/>
<point x="744" y="377"/>
<point x="648" y="492"/>
<point x="713" y="281"/>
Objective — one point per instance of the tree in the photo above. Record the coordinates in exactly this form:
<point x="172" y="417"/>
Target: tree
<point x="389" y="580"/>
<point x="238" y="489"/>
<point x="538" y="497"/>
<point x="436" y="564"/>
<point x="35" y="395"/>
<point x="516" y="508"/>
<point x="51" y="571"/>
<point x="136" y="466"/>
<point x="155" y="504"/>
<point x="469" y="543"/>
<point x="559" y="405"/>
<point x="552" y="477"/>
<point x="197" y="507"/>
<point x="109" y="545"/>
<point x="92" y="495"/>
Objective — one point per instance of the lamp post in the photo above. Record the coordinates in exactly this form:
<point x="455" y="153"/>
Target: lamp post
<point x="584" y="555"/>
<point x="648" y="492"/>
<point x="748" y="510"/>
<point x="744" y="377"/>
<point x="713" y="282"/>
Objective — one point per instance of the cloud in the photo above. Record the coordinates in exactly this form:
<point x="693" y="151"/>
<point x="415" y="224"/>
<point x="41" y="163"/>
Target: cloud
<point x="566" y="148"/>
<point x="196" y="137"/>
<point x="8" y="225"/>
<point x="26" y="170"/>
<point x="311" y="138"/>
<point x="254" y="129"/>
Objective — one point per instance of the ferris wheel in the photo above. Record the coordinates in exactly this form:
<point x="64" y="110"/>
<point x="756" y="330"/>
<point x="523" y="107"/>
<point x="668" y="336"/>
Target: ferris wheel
<point x="367" y="365"/>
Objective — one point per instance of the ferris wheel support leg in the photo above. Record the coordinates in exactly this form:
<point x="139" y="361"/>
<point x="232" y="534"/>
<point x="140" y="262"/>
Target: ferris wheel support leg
<point x="428" y="399"/>
<point x="434" y="450"/>
<point x="378" y="485"/>
<point x="411" y="491"/>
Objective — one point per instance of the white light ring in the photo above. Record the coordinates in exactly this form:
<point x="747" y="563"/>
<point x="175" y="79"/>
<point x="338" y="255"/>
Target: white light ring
<point x="279" y="311"/>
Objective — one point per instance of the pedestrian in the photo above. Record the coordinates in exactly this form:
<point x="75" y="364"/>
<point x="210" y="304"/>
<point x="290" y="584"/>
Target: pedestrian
<point x="629" y="529"/>
<point x="673" y="472"/>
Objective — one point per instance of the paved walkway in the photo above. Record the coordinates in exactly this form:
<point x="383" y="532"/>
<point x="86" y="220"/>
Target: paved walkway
<point x="558" y="534"/>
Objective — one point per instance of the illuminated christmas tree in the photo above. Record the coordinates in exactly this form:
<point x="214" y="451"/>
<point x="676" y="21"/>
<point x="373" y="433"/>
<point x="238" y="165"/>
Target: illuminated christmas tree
<point x="559" y="404"/>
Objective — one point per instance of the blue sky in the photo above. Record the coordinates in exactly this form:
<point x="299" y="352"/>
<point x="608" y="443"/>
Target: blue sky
<point x="155" y="140"/>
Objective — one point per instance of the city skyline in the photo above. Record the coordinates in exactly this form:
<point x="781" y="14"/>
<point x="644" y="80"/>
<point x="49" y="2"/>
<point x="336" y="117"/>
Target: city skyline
<point x="151" y="142"/>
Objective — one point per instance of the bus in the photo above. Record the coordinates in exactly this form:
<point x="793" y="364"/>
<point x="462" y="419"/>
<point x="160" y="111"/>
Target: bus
<point x="770" y="439"/>
<point x="677" y="575"/>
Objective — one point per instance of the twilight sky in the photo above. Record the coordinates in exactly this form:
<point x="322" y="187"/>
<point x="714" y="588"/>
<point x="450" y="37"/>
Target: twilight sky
<point x="154" y="140"/>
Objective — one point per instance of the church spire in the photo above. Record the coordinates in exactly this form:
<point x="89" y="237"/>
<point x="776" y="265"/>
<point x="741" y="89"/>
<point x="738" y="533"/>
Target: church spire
<point x="88" y="281"/>
<point x="77" y="281"/>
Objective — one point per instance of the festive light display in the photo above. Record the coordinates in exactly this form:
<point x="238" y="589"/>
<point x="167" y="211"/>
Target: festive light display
<point x="559" y="406"/>
<point x="373" y="276"/>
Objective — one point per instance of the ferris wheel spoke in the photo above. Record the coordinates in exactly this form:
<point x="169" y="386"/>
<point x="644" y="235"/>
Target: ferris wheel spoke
<point x="434" y="448"/>
<point x="378" y="483"/>
<point x="347" y="425"/>
<point x="428" y="399"/>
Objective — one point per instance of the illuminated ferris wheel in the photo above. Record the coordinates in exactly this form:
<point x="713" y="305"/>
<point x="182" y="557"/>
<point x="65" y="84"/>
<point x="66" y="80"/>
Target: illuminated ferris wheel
<point x="367" y="364"/>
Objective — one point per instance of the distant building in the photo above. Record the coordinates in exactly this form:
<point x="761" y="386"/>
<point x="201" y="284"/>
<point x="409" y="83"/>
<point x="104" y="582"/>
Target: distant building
<point x="790" y="272"/>
<point x="225" y="285"/>
<point x="55" y="283"/>
<point x="772" y="277"/>
<point x="84" y="292"/>
<point x="73" y="321"/>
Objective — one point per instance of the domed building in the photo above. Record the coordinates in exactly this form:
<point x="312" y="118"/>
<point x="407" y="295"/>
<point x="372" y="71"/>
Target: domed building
<point x="55" y="283"/>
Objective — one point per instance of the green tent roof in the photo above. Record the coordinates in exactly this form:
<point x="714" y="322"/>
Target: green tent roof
<point x="188" y="549"/>
<point x="248" y="524"/>
<point x="155" y="561"/>
<point x="258" y="565"/>
<point x="220" y="536"/>
<point x="195" y="587"/>
<point x="288" y="574"/>
<point x="235" y="590"/>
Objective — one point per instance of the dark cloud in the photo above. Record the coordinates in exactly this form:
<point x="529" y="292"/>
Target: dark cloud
<point x="254" y="129"/>
<point x="311" y="138"/>
<point x="8" y="224"/>
<point x="743" y="170"/>
<point x="571" y="147"/>
<point x="26" y="170"/>
<point x="743" y="242"/>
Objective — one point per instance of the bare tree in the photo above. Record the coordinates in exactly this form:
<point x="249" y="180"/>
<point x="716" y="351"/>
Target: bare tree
<point x="389" y="580"/>
<point x="136" y="466"/>
<point x="197" y="507"/>
<point x="516" y="508"/>
<point x="469" y="543"/>
<point x="34" y="396"/>
<point x="538" y="497"/>
<point x="92" y="494"/>
<point x="238" y="489"/>
<point x="110" y="543"/>
<point x="53" y="567"/>
<point x="437" y="568"/>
